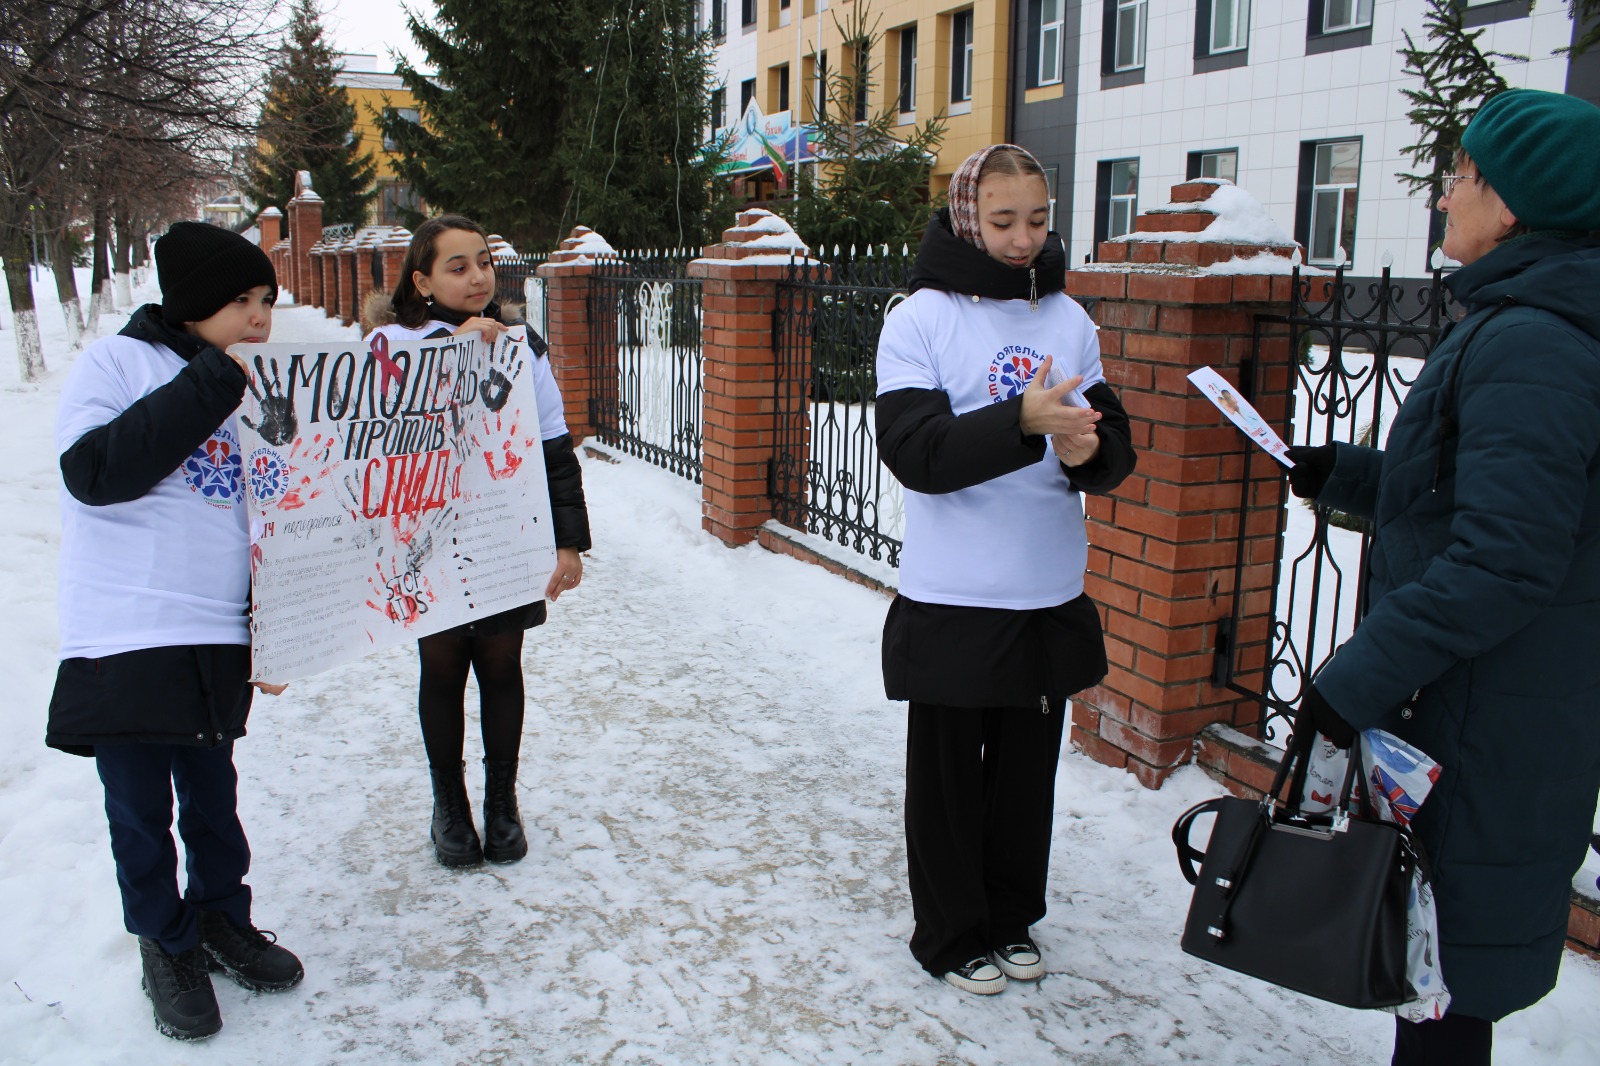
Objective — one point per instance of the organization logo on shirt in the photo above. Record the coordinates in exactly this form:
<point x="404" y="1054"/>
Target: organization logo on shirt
<point x="268" y="475"/>
<point x="214" y="470"/>
<point x="1010" y="371"/>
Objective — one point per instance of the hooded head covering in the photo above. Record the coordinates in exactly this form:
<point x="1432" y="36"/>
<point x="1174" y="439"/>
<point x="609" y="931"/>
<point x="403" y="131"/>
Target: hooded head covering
<point x="964" y="193"/>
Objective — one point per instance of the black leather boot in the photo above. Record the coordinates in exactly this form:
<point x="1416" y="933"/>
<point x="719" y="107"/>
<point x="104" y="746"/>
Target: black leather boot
<point x="503" y="838"/>
<point x="455" y="840"/>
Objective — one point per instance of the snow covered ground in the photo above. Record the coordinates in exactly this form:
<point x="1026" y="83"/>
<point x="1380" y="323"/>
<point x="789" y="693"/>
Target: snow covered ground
<point x="711" y="783"/>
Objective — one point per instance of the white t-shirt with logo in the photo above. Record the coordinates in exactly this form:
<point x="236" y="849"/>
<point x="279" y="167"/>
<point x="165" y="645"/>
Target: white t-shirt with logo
<point x="171" y="568"/>
<point x="1016" y="541"/>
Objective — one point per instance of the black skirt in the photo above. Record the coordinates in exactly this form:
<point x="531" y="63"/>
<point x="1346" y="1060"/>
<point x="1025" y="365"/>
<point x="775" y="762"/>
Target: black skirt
<point x="989" y="656"/>
<point x="508" y="621"/>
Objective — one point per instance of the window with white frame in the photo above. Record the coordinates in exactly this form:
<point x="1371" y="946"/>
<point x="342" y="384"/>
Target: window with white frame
<point x="961" y="57"/>
<point x="1051" y="14"/>
<point x="1340" y="15"/>
<point x="1230" y="25"/>
<point x="1335" y="178"/>
<point x="411" y="115"/>
<point x="719" y="18"/>
<point x="1132" y="21"/>
<point x="719" y="108"/>
<point x="1124" y="199"/>
<point x="1223" y="163"/>
<point x="908" y="70"/>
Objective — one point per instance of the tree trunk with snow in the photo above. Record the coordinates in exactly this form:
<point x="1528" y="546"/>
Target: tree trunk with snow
<point x="100" y="276"/>
<point x="30" y="353"/>
<point x="122" y="261"/>
<point x="66" y="287"/>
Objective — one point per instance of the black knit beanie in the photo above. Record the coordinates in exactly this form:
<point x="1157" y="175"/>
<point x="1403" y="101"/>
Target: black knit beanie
<point x="201" y="267"/>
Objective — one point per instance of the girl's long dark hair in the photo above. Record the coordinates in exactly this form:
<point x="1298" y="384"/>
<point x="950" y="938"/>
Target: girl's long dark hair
<point x="410" y="306"/>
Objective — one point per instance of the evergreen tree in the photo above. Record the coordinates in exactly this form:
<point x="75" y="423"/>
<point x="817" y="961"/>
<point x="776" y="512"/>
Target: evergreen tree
<point x="1457" y="76"/>
<point x="307" y="123"/>
<point x="491" y="117"/>
<point x="632" y="148"/>
<point x="870" y="187"/>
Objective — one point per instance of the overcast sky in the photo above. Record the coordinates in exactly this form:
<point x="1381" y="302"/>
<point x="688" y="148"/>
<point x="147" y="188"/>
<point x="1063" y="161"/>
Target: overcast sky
<point x="373" y="27"/>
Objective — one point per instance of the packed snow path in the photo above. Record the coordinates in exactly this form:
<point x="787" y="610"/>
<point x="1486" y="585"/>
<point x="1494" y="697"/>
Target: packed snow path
<point x="711" y="783"/>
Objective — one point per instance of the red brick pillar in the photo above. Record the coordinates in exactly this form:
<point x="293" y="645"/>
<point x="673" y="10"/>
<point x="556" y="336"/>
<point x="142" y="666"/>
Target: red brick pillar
<point x="740" y="370"/>
<point x="1164" y="545"/>
<point x="305" y="230"/>
<point x="393" y="251"/>
<point x="347" y="286"/>
<point x="566" y="296"/>
<point x="269" y="222"/>
<point x="328" y="256"/>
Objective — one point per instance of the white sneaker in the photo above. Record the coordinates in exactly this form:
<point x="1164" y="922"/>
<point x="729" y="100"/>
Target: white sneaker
<point x="1020" y="962"/>
<point x="977" y="975"/>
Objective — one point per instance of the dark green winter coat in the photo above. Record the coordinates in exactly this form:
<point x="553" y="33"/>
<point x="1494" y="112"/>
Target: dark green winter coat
<point x="1485" y="596"/>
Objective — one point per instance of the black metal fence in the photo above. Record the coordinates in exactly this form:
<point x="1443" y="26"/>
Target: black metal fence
<point x="645" y="358"/>
<point x="1358" y="347"/>
<point x="511" y="276"/>
<point x="826" y="478"/>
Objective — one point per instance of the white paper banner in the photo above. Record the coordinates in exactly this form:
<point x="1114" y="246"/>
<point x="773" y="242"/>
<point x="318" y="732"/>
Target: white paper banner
<point x="392" y="494"/>
<point x="1240" y="413"/>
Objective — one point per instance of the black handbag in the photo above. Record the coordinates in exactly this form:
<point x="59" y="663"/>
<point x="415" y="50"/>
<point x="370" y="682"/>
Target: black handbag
<point x="1315" y="904"/>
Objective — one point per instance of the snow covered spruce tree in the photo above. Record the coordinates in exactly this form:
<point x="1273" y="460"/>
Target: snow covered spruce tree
<point x="632" y="144"/>
<point x="308" y="123"/>
<point x="870" y="187"/>
<point x="492" y="113"/>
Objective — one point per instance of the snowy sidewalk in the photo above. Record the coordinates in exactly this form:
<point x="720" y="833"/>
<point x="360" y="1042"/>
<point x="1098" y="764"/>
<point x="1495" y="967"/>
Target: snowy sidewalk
<point x="711" y="782"/>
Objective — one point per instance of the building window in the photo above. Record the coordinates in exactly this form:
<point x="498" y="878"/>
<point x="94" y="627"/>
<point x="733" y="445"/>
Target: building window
<point x="782" y="78"/>
<point x="783" y="12"/>
<point x="1116" y="198"/>
<point x="393" y="197"/>
<point x="1223" y="163"/>
<point x="1341" y="15"/>
<point x="961" y="58"/>
<point x="1330" y="172"/>
<point x="908" y="70"/>
<point x="1049" y="17"/>
<point x="821" y="109"/>
<point x="747" y="92"/>
<point x="411" y="115"/>
<point x="719" y="108"/>
<point x="747" y="13"/>
<point x="719" y="18"/>
<point x="1129" y="20"/>
<point x="858" y="87"/>
<point x="1051" y="176"/>
<point x="1229" y="28"/>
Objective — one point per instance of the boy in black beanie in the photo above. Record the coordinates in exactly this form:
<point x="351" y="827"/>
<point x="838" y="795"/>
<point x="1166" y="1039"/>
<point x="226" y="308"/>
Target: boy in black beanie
<point x="154" y="600"/>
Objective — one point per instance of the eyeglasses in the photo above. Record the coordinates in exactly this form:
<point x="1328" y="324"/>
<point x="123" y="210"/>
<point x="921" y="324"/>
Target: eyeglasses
<point x="1448" y="182"/>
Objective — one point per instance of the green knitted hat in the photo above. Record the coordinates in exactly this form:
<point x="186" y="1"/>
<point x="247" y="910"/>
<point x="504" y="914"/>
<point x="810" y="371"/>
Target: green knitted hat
<point x="1541" y="152"/>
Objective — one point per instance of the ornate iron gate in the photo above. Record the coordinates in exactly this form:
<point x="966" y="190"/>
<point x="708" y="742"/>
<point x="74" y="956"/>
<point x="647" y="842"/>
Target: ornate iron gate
<point x="1356" y="356"/>
<point x="826" y="477"/>
<point x="645" y="360"/>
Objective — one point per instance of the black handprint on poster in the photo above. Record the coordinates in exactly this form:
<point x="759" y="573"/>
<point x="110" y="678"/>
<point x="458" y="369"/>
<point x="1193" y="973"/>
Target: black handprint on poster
<point x="277" y="407"/>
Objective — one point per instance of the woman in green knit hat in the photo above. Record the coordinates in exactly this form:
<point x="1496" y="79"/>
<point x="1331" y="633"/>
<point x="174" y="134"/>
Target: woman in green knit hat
<point x="1480" y="643"/>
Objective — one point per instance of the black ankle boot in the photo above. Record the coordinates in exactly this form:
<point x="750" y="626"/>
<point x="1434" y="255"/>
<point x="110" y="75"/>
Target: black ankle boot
<point x="455" y="840"/>
<point x="503" y="839"/>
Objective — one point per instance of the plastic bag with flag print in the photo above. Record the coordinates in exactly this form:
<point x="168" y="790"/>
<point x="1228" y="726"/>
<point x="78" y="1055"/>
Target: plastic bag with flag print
<point x="1398" y="777"/>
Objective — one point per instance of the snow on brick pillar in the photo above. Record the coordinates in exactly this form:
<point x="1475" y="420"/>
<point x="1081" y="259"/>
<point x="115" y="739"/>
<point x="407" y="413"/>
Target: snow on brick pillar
<point x="566" y="300"/>
<point x="740" y="288"/>
<point x="305" y="230"/>
<point x="270" y="223"/>
<point x="1181" y="292"/>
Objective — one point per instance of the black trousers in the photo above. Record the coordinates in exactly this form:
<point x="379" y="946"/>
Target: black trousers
<point x="1454" y="1040"/>
<point x="980" y="795"/>
<point x="139" y="781"/>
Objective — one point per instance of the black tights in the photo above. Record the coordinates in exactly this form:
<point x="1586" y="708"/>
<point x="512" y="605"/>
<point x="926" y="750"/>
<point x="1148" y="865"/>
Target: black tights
<point x="496" y="660"/>
<point x="1454" y="1040"/>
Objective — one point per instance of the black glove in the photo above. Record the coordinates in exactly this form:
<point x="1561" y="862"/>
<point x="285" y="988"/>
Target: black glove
<point x="1316" y="715"/>
<point x="1311" y="470"/>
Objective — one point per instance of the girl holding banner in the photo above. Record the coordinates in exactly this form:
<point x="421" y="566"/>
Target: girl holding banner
<point x="447" y="287"/>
